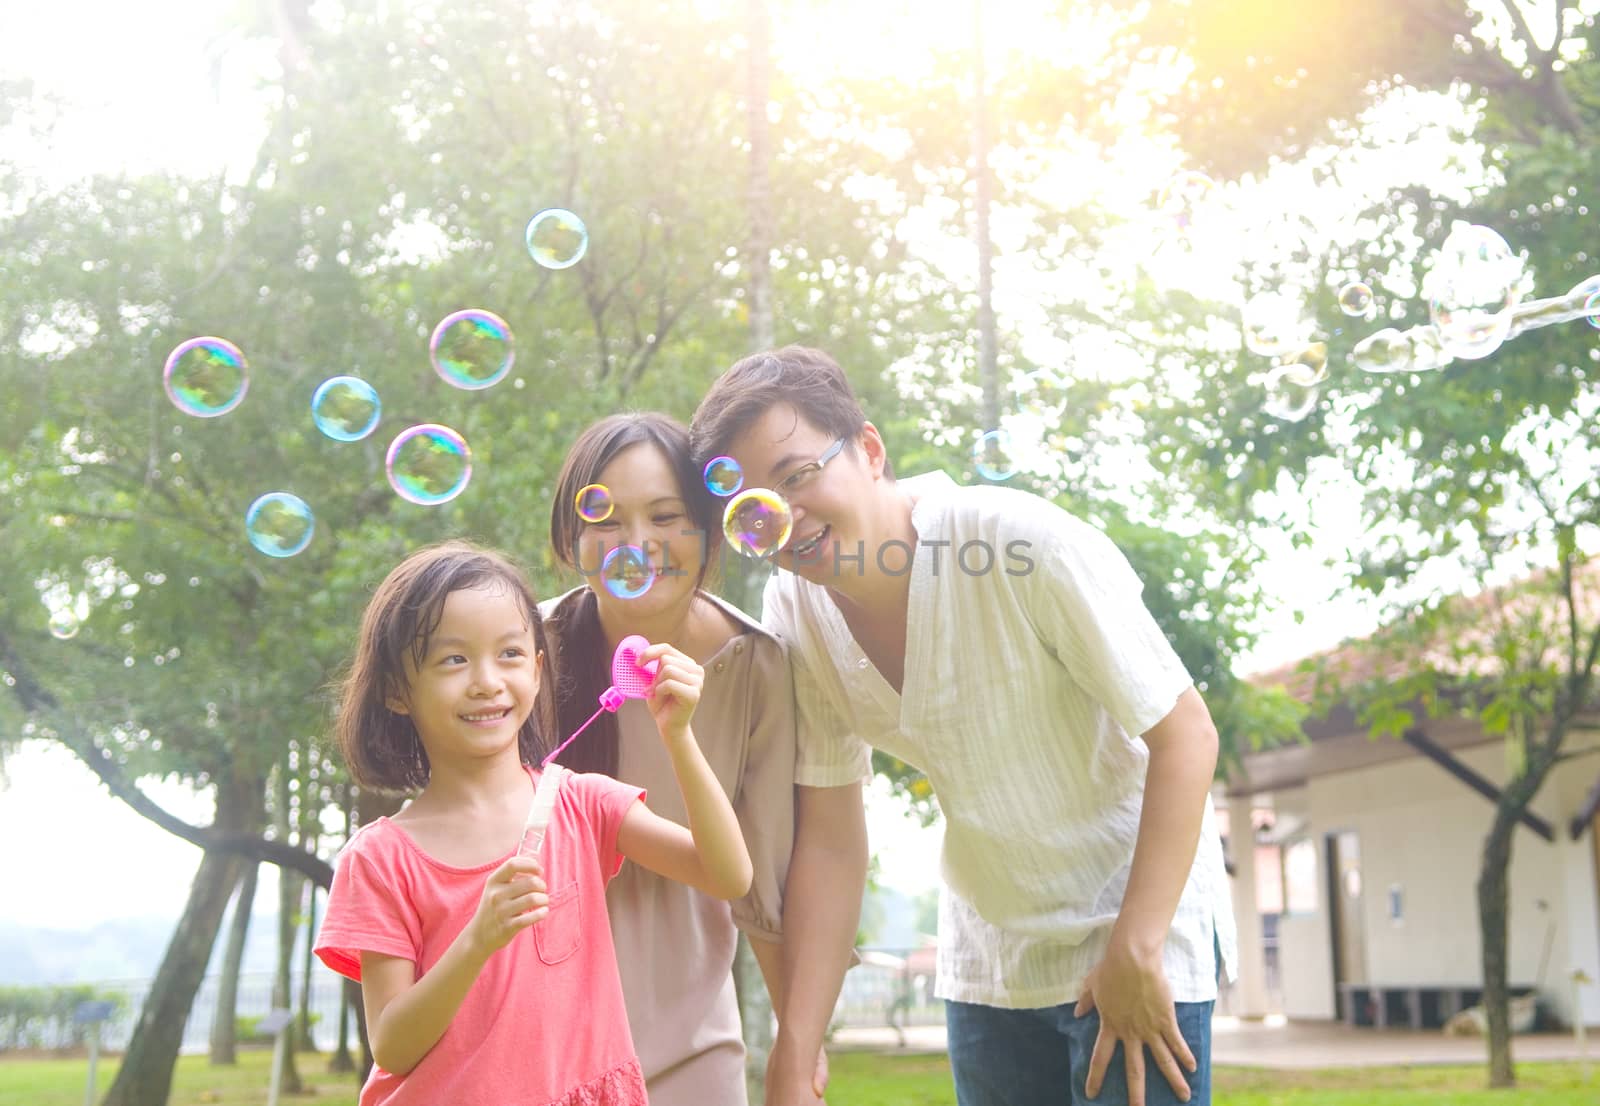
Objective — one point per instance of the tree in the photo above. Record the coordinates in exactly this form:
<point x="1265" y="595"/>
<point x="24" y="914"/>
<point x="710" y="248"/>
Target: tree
<point x="1481" y="486"/>
<point x="225" y="1024"/>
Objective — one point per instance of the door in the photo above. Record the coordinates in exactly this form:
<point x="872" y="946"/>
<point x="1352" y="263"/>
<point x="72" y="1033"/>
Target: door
<point x="1347" y="919"/>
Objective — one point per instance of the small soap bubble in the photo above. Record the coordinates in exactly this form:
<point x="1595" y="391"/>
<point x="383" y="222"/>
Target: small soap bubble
<point x="1472" y="290"/>
<point x="1355" y="298"/>
<point x="472" y="349"/>
<point x="994" y="456"/>
<point x="1275" y="323"/>
<point x="1592" y="306"/>
<point x="345" y="408"/>
<point x="594" y="503"/>
<point x="1291" y="394"/>
<point x="279" y="524"/>
<point x="723" y="476"/>
<point x="428" y="464"/>
<point x="1312" y="360"/>
<point x="64" y="623"/>
<point x="206" y="377"/>
<point x="757" y="522"/>
<point x="1183" y="195"/>
<point x="627" y="572"/>
<point x="557" y="239"/>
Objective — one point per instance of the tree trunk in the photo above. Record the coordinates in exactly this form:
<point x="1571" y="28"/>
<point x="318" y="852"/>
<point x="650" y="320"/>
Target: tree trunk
<point x="988" y="344"/>
<point x="1494" y="912"/>
<point x="342" y="1061"/>
<point x="755" y="1016"/>
<point x="755" y="1005"/>
<point x="369" y="806"/>
<point x="224" y="1023"/>
<point x="145" y="1075"/>
<point x="288" y="925"/>
<point x="304" y="1021"/>
<point x="758" y="252"/>
<point x="1493" y="907"/>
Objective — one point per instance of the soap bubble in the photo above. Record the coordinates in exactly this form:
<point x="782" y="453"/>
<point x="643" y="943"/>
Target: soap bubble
<point x="626" y="572"/>
<point x="1394" y="351"/>
<point x="1472" y="290"/>
<point x="757" y="522"/>
<point x="64" y="623"/>
<point x="279" y="524"/>
<point x="594" y="503"/>
<point x="428" y="464"/>
<point x="472" y="349"/>
<point x="994" y="456"/>
<point x="1311" y="359"/>
<point x="1291" y="393"/>
<point x="557" y="239"/>
<point x="345" y="408"/>
<point x="1592" y="306"/>
<point x="1275" y="322"/>
<point x="1355" y="298"/>
<point x="206" y="377"/>
<point x="723" y="476"/>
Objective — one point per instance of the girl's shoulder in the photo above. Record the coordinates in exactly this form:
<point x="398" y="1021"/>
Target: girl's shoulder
<point x="380" y="839"/>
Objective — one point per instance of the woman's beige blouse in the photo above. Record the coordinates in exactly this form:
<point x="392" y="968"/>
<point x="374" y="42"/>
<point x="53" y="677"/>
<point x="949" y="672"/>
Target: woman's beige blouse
<point x="674" y="944"/>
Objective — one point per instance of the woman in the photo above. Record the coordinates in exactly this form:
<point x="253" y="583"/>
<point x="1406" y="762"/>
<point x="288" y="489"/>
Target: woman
<point x="675" y="945"/>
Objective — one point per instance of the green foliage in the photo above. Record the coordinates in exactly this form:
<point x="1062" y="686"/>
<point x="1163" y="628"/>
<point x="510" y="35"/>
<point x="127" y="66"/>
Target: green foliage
<point x="42" y="1016"/>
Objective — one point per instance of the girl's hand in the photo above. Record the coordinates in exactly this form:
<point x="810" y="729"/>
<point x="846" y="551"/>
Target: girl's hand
<point x="675" y="691"/>
<point x="513" y="899"/>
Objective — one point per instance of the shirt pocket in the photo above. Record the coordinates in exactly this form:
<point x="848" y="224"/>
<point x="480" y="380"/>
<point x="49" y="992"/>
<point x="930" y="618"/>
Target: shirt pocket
<point x="557" y="937"/>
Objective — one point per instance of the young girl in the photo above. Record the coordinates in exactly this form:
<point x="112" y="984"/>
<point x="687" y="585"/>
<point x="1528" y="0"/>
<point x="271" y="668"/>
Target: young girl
<point x="448" y="692"/>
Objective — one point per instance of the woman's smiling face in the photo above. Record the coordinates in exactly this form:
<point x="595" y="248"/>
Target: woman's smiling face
<point x="648" y="511"/>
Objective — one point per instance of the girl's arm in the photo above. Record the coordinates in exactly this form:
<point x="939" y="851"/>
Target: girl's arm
<point x="406" y="1016"/>
<point x="710" y="855"/>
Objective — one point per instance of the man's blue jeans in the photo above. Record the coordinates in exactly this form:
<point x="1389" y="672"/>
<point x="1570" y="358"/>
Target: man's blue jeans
<point x="1041" y="1057"/>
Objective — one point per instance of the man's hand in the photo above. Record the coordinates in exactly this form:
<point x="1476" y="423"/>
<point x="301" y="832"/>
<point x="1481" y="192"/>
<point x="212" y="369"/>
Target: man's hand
<point x="1136" y="1010"/>
<point x="789" y="1086"/>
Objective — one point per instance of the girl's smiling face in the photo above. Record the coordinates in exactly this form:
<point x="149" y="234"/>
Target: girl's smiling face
<point x="477" y="680"/>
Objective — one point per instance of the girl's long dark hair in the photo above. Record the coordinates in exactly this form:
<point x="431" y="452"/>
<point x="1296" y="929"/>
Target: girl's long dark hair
<point x="381" y="746"/>
<point x="583" y="657"/>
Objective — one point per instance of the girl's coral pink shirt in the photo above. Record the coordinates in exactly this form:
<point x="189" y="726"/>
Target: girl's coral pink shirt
<point x="544" y="1024"/>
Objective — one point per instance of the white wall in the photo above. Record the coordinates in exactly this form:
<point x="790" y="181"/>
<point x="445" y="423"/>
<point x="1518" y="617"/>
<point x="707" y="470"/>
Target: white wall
<point x="1423" y="829"/>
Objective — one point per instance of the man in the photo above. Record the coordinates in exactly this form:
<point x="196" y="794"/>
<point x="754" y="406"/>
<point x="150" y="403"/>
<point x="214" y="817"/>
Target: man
<point x="1001" y="645"/>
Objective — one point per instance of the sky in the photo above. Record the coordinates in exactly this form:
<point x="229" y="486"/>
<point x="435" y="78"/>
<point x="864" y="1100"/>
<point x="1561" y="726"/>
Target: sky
<point x="157" y="86"/>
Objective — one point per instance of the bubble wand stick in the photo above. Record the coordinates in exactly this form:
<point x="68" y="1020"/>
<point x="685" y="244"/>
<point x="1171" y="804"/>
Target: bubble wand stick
<point x="629" y="680"/>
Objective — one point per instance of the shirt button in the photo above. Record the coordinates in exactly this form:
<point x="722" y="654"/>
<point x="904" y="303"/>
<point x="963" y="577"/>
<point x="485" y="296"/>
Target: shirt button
<point x="862" y="663"/>
<point x="738" y="647"/>
<point x="720" y="664"/>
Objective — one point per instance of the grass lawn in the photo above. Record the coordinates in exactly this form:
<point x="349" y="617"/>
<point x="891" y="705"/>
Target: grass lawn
<point x="862" y="1079"/>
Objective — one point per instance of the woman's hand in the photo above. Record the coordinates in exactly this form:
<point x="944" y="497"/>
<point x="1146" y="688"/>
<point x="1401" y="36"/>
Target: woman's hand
<point x="675" y="692"/>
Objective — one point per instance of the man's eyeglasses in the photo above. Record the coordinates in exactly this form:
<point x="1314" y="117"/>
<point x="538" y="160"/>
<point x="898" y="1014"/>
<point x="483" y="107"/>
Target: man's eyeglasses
<point x="806" y="473"/>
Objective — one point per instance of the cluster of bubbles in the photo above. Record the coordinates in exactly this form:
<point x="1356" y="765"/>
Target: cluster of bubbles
<point x="426" y="464"/>
<point x="756" y="522"/>
<point x="1473" y="289"/>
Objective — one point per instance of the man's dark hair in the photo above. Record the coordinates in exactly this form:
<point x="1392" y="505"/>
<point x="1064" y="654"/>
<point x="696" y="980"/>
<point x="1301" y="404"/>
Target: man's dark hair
<point x="806" y="379"/>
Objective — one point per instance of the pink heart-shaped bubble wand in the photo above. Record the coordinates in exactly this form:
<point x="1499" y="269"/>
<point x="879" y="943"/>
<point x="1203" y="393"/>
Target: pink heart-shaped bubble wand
<point x="629" y="680"/>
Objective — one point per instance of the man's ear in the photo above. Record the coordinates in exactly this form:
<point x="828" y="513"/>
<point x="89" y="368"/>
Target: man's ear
<point x="872" y="447"/>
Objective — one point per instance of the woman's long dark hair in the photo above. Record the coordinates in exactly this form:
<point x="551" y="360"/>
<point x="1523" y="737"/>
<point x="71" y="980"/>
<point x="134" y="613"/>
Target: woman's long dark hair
<point x="583" y="657"/>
